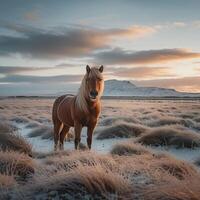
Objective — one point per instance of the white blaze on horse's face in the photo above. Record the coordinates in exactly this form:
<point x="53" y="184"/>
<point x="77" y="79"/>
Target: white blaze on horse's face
<point x="95" y="82"/>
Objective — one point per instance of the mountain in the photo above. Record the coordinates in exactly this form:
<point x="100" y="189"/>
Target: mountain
<point x="127" y="88"/>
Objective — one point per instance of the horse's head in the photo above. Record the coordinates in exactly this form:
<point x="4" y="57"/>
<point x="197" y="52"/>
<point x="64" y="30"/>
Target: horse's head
<point x="94" y="82"/>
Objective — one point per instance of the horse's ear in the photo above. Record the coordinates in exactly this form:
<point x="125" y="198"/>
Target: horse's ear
<point x="101" y="68"/>
<point x="88" y="69"/>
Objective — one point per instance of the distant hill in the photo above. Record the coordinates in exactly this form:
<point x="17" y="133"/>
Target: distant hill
<point x="127" y="88"/>
<point x="113" y="88"/>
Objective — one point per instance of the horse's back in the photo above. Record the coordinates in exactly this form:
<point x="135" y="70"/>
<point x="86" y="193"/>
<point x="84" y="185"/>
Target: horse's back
<point x="55" y="106"/>
<point x="62" y="109"/>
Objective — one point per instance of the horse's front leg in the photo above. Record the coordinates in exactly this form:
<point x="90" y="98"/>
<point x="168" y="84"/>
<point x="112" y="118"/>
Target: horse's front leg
<point x="90" y="130"/>
<point x="77" y="129"/>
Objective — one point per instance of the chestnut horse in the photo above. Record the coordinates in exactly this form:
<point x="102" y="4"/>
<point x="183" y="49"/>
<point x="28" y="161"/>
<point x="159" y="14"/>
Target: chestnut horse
<point x="80" y="110"/>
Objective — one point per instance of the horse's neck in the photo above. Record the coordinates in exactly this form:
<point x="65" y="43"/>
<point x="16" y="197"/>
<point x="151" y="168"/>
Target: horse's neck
<point x="94" y="105"/>
<point x="81" y="103"/>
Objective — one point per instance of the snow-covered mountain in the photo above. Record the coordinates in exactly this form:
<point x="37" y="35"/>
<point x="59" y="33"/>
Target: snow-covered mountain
<point x="126" y="88"/>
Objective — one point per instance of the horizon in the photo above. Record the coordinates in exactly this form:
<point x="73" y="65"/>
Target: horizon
<point x="45" y="45"/>
<point x="74" y="88"/>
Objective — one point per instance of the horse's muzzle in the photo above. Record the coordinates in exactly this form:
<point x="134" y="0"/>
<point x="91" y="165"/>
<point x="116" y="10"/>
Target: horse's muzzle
<point x="93" y="95"/>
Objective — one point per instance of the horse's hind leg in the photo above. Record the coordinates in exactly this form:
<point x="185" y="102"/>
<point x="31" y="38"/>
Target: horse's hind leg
<point x="57" y="123"/>
<point x="57" y="130"/>
<point x="63" y="135"/>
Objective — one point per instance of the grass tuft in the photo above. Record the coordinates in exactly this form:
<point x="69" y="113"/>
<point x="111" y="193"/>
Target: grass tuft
<point x="128" y="148"/>
<point x="168" y="136"/>
<point x="89" y="182"/>
<point x="13" y="163"/>
<point x="6" y="127"/>
<point x="121" y="130"/>
<point x="45" y="132"/>
<point x="14" y="142"/>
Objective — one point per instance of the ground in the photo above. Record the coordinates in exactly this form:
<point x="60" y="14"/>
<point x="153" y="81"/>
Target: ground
<point x="140" y="147"/>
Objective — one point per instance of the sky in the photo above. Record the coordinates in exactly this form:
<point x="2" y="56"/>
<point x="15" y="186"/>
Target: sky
<point x="45" y="45"/>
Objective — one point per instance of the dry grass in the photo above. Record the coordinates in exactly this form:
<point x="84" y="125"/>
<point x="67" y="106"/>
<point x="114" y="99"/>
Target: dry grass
<point x="128" y="148"/>
<point x="197" y="119"/>
<point x="169" y="136"/>
<point x="48" y="134"/>
<point x="6" y="181"/>
<point x="76" y="159"/>
<point x="121" y="130"/>
<point x="82" y="183"/>
<point x="166" y="120"/>
<point x="33" y="125"/>
<point x="197" y="161"/>
<point x="129" y="172"/>
<point x="156" y="166"/>
<point x="13" y="163"/>
<point x="176" y="168"/>
<point x="45" y="132"/>
<point x="88" y="175"/>
<point x="109" y="121"/>
<point x="42" y="155"/>
<point x="6" y="127"/>
<point x="83" y="146"/>
<point x="175" y="189"/>
<point x="14" y="142"/>
<point x="20" y="119"/>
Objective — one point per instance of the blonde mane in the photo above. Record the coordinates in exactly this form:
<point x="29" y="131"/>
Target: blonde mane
<point x="81" y="97"/>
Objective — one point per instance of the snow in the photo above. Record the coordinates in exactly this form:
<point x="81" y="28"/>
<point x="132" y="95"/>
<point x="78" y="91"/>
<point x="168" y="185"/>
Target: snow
<point x="185" y="154"/>
<point x="46" y="145"/>
<point x="131" y="109"/>
<point x="103" y="146"/>
<point x="127" y="88"/>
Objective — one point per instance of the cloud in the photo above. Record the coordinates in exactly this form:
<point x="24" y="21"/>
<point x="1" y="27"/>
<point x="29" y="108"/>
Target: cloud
<point x="65" y="42"/>
<point x="66" y="65"/>
<point x="18" y="69"/>
<point x="179" y="24"/>
<point x="196" y="24"/>
<point x="32" y="16"/>
<point x="171" y="25"/>
<point x="197" y="68"/>
<point x="19" y="28"/>
<point x="40" y="79"/>
<point x="132" y="32"/>
<point x="140" y="72"/>
<point x="182" y="84"/>
<point x="124" y="57"/>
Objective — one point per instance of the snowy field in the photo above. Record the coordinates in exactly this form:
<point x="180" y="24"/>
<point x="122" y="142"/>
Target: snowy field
<point x="31" y="116"/>
<point x="125" y="128"/>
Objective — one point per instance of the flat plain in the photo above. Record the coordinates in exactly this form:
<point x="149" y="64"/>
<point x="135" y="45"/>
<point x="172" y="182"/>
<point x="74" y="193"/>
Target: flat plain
<point x="142" y="149"/>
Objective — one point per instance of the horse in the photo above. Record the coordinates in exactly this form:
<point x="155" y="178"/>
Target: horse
<point x="78" y="111"/>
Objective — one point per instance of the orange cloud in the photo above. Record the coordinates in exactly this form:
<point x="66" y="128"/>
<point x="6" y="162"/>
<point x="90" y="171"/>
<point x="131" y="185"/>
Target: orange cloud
<point x="197" y="68"/>
<point x="186" y="84"/>
<point x="123" y="57"/>
<point x="67" y="42"/>
<point x="140" y="72"/>
<point x="132" y="32"/>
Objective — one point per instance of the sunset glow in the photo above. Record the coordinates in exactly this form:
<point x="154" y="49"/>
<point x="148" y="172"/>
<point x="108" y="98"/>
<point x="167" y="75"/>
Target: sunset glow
<point x="150" y="43"/>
